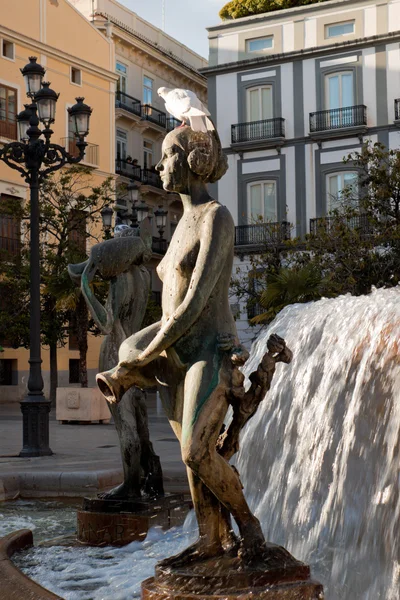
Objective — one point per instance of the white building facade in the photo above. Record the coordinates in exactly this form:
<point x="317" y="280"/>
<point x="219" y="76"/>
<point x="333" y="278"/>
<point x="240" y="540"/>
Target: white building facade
<point x="293" y="92"/>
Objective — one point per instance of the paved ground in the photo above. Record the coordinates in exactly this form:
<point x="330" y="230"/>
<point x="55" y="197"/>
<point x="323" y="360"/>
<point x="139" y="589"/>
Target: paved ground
<point x="86" y="457"/>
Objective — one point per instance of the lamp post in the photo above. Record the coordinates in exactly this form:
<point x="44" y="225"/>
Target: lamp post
<point x="35" y="159"/>
<point x="161" y="220"/>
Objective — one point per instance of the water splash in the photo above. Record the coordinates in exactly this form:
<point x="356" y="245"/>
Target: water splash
<point x="320" y="461"/>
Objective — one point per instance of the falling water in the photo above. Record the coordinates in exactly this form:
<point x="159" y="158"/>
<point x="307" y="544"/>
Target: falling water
<point x="320" y="460"/>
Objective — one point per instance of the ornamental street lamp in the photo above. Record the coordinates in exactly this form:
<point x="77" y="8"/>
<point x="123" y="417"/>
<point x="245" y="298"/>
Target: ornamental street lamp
<point x="35" y="159"/>
<point x="161" y="220"/>
<point x="107" y="215"/>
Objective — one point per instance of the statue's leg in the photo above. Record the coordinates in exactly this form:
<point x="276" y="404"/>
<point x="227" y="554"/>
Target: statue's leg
<point x="125" y="423"/>
<point x="205" y="407"/>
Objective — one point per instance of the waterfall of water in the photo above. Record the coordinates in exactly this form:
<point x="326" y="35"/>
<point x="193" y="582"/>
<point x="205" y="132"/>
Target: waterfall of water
<point x="320" y="460"/>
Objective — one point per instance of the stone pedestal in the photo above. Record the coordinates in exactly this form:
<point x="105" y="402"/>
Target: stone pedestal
<point x="280" y="577"/>
<point x="84" y="405"/>
<point x="118" y="522"/>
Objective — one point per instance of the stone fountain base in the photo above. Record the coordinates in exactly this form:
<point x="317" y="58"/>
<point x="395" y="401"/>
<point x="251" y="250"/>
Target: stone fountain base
<point x="120" y="522"/>
<point x="226" y="578"/>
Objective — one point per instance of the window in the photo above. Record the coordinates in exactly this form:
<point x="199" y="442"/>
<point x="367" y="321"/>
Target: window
<point x="10" y="227"/>
<point x="76" y="76"/>
<point x="8" y="107"/>
<point x="340" y="186"/>
<point x="147" y="90"/>
<point x="8" y="371"/>
<point x="7" y="49"/>
<point x="260" y="44"/>
<point x="77" y="231"/>
<point x="147" y="154"/>
<point x="261" y="201"/>
<point x="122" y="72"/>
<point x="260" y="103"/>
<point x="339" y="29"/>
<point x="74" y="370"/>
<point x="339" y="90"/>
<point x="122" y="139"/>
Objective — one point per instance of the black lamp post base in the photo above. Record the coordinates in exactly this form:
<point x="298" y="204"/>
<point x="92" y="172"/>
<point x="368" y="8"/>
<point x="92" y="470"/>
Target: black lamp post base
<point x="35" y="428"/>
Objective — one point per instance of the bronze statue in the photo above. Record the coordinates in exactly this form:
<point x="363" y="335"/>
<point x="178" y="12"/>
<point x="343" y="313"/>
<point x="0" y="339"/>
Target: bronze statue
<point x="121" y="261"/>
<point x="193" y="354"/>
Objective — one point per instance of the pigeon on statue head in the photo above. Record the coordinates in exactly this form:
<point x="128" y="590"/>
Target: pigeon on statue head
<point x="185" y="106"/>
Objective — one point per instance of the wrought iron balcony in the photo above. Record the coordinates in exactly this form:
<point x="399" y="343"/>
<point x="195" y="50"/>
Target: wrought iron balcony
<point x="328" y="225"/>
<point x="149" y="177"/>
<point x="91" y="151"/>
<point x="258" y="130"/>
<point x="172" y="123"/>
<point x="8" y="129"/>
<point x="271" y="234"/>
<point x="129" y="103"/>
<point x="397" y="109"/>
<point x="149" y="113"/>
<point x="338" y="118"/>
<point x="127" y="169"/>
<point x="159" y="245"/>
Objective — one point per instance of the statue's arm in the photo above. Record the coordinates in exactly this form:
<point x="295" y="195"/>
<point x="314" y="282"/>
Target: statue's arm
<point x="216" y="242"/>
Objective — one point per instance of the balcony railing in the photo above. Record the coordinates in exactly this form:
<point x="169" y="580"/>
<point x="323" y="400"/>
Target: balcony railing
<point x="262" y="233"/>
<point x="258" y="130"/>
<point x="8" y="129"/>
<point x="12" y="246"/>
<point x="149" y="177"/>
<point x="127" y="169"/>
<point x="154" y="115"/>
<point x="359" y="223"/>
<point x="172" y="123"/>
<point x="338" y="118"/>
<point x="129" y="103"/>
<point x="91" y="151"/>
<point x="397" y="109"/>
<point x="159" y="245"/>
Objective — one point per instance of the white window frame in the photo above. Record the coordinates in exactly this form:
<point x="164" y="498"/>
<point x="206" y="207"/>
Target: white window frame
<point x="13" y="49"/>
<point x="339" y="74"/>
<point x="123" y="76"/>
<point x="254" y="218"/>
<point x="148" y="89"/>
<point x="258" y="39"/>
<point x="248" y="104"/>
<point x="328" y="35"/>
<point x="80" y="76"/>
<point x="121" y="137"/>
<point x="332" y="202"/>
<point x="148" y="152"/>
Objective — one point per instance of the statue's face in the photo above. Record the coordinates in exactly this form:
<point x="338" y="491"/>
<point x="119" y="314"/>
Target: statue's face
<point x="173" y="167"/>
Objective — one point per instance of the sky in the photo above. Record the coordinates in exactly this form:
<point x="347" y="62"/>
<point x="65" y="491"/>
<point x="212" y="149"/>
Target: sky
<point x="185" y="20"/>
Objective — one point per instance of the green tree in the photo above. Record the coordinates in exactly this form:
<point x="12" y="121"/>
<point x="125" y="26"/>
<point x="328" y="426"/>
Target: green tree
<point x="245" y="8"/>
<point x="70" y="218"/>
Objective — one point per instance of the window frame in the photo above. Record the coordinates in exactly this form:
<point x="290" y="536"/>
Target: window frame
<point x="4" y="40"/>
<point x="6" y="120"/>
<point x="254" y="219"/>
<point x="261" y="50"/>
<point x="339" y="73"/>
<point x="147" y="88"/>
<point x="148" y="151"/>
<point x="122" y="77"/>
<point x="11" y="225"/>
<point x="76" y="69"/>
<point x="328" y="25"/>
<point x="329" y="207"/>
<point x="120" y="139"/>
<point x="259" y="87"/>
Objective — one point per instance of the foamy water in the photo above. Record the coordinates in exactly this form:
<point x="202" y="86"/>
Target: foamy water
<point x="320" y="462"/>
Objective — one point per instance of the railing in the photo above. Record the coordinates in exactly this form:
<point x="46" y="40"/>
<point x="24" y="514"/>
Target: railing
<point x="8" y="129"/>
<point x="128" y="103"/>
<point x="338" y="118"/>
<point x="258" y="130"/>
<point x="172" y="123"/>
<point x="329" y="224"/>
<point x="397" y="109"/>
<point x="154" y="115"/>
<point x="127" y="169"/>
<point x="10" y="245"/>
<point x="254" y="309"/>
<point x="149" y="177"/>
<point x="263" y="233"/>
<point x="159" y="245"/>
<point x="91" y="151"/>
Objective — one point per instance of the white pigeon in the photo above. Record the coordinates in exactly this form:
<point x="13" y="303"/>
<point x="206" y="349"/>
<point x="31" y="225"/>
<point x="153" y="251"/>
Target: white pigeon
<point x="185" y="106"/>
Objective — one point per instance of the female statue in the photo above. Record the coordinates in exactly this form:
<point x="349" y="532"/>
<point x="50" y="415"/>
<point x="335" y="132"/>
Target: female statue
<point x="193" y="352"/>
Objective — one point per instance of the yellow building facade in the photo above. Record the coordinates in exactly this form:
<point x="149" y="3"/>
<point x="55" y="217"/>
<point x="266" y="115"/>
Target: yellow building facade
<point x="79" y="61"/>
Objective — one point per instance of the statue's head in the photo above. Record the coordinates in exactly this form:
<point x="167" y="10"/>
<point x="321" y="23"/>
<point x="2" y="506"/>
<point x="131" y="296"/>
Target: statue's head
<point x="187" y="154"/>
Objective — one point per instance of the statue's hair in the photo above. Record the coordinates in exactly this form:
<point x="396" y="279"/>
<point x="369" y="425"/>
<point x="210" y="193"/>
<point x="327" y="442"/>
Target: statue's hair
<point x="204" y="152"/>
